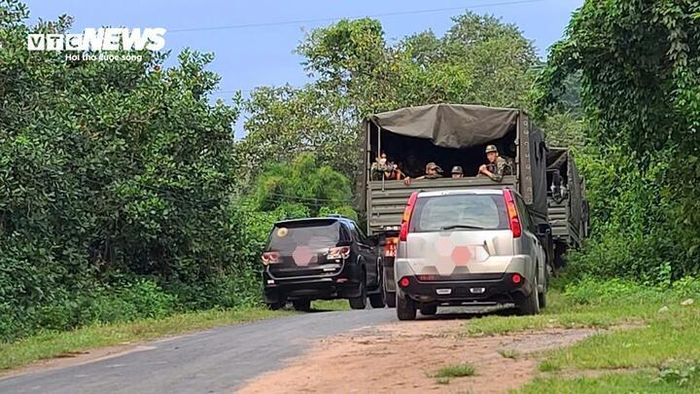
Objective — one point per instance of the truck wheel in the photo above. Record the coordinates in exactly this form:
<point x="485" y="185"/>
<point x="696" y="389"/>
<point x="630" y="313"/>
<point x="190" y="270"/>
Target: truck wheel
<point x="405" y="307"/>
<point x="428" y="310"/>
<point x="390" y="298"/>
<point x="530" y="305"/>
<point x="377" y="300"/>
<point x="361" y="301"/>
<point x="542" y="297"/>
<point x="302" y="305"/>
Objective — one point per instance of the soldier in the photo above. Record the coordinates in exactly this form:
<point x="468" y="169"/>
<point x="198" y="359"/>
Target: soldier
<point x="432" y="171"/>
<point x="389" y="169"/>
<point x="457" y="172"/>
<point x="497" y="167"/>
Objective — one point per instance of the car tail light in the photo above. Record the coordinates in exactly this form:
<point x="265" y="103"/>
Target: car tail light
<point x="270" y="258"/>
<point x="406" y="220"/>
<point x="390" y="247"/>
<point x="516" y="279"/>
<point x="513" y="218"/>
<point x="339" y="252"/>
<point x="404" y="282"/>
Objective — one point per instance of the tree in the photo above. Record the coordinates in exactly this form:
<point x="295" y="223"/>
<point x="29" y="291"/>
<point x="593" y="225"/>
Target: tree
<point x="109" y="171"/>
<point x="480" y="60"/>
<point x="639" y="66"/>
<point x="303" y="188"/>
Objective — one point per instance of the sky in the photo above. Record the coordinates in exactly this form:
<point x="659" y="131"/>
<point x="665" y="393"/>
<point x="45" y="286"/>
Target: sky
<point x="257" y="46"/>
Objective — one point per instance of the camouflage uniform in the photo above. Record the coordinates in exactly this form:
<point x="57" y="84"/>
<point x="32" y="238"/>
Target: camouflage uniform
<point x="499" y="169"/>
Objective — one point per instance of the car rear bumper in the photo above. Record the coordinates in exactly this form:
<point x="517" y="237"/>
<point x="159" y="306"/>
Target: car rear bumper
<point x="486" y="288"/>
<point x="345" y="284"/>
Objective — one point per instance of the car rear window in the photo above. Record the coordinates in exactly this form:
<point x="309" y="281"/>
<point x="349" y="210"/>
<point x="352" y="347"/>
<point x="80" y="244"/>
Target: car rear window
<point x="314" y="234"/>
<point x="480" y="210"/>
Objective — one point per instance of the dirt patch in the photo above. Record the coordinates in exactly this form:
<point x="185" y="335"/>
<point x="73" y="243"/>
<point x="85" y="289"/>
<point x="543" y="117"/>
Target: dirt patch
<point x="404" y="356"/>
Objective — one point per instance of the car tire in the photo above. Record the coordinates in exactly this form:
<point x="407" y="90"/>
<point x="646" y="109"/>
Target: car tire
<point x="302" y="305"/>
<point x="428" y="310"/>
<point x="405" y="307"/>
<point x="530" y="305"/>
<point x="361" y="301"/>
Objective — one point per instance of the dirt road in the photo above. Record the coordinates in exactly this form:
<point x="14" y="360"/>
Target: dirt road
<point x="323" y="352"/>
<point x="404" y="357"/>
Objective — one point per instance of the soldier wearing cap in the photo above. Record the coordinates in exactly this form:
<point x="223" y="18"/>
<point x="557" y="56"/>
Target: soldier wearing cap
<point x="457" y="172"/>
<point x="432" y="171"/>
<point x="497" y="167"/>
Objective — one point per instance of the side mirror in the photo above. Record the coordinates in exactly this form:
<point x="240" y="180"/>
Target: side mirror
<point x="544" y="228"/>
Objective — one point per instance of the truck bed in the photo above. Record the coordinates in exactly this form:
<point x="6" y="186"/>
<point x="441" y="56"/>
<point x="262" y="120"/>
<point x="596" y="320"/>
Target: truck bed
<point x="387" y="200"/>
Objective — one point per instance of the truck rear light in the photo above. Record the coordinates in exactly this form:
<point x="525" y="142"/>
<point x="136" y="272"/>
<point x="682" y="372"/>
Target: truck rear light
<point x="270" y="258"/>
<point x="404" y="282"/>
<point x="427" y="278"/>
<point x="390" y="247"/>
<point x="406" y="220"/>
<point x="513" y="219"/>
<point x="339" y="252"/>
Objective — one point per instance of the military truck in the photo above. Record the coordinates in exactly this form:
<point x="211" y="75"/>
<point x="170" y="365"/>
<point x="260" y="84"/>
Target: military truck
<point x="448" y="135"/>
<point x="566" y="203"/>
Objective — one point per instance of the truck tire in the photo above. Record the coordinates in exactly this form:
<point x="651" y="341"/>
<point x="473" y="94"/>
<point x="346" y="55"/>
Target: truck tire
<point x="361" y="301"/>
<point x="530" y="305"/>
<point x="390" y="298"/>
<point x="542" y="297"/>
<point x="302" y="305"/>
<point x="377" y="300"/>
<point x="405" y="307"/>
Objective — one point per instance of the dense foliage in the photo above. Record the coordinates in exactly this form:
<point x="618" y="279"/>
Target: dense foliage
<point x="639" y="64"/>
<point x="479" y="60"/>
<point x="124" y="195"/>
<point x="116" y="187"/>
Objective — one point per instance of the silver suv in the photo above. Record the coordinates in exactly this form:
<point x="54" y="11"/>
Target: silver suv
<point x="468" y="247"/>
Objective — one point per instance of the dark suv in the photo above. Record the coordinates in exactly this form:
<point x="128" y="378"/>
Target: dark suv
<point x="321" y="258"/>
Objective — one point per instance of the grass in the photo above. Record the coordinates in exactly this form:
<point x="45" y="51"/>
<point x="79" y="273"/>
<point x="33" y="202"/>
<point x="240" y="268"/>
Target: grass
<point x="53" y="344"/>
<point x="455" y="371"/>
<point x="657" y="353"/>
<point x="639" y="382"/>
<point x="330" y="305"/>
<point x="509" y="353"/>
<point x="672" y="335"/>
<point x="563" y="314"/>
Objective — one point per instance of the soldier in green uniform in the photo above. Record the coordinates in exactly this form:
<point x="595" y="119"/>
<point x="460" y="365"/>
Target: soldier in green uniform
<point x="432" y="171"/>
<point x="497" y="167"/>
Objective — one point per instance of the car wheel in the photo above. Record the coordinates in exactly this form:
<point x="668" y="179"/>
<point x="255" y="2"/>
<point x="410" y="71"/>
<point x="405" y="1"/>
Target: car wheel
<point x="361" y="301"/>
<point x="530" y="305"/>
<point x="405" y="307"/>
<point x="428" y="310"/>
<point x="302" y="305"/>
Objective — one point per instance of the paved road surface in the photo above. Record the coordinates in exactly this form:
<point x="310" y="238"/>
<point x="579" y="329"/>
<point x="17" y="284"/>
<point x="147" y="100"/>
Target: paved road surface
<point x="214" y="361"/>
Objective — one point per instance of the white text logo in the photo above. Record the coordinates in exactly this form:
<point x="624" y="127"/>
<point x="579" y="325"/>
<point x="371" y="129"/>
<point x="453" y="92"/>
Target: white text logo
<point x="102" y="39"/>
